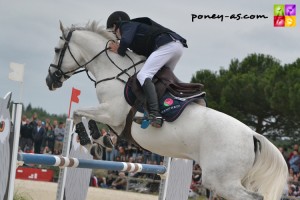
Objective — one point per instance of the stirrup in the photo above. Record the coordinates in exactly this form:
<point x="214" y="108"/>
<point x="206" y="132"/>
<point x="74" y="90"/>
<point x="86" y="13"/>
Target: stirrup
<point x="144" y="121"/>
<point x="156" y="121"/>
<point x="94" y="131"/>
<point x="82" y="134"/>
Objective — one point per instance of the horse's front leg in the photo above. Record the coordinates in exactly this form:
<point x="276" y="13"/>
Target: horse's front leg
<point x="98" y="113"/>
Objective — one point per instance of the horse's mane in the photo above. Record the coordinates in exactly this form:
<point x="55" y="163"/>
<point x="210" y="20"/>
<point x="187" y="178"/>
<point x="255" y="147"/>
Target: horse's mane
<point x="93" y="27"/>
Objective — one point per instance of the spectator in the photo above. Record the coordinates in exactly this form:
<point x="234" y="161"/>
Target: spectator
<point x="39" y="134"/>
<point x="283" y="152"/>
<point x="197" y="173"/>
<point x="59" y="133"/>
<point x="104" y="133"/>
<point x="156" y="159"/>
<point x="48" y="121"/>
<point x="146" y="156"/>
<point x="109" y="179"/>
<point x="102" y="182"/>
<point x="26" y="138"/>
<point x="118" y="159"/>
<point x="123" y="143"/>
<point x="295" y="162"/>
<point x="291" y="175"/>
<point x="23" y="120"/>
<point x="93" y="181"/>
<point x="134" y="151"/>
<point x="139" y="159"/>
<point x="55" y="124"/>
<point x="196" y="178"/>
<point x="122" y="154"/>
<point x="111" y="152"/>
<point x="47" y="150"/>
<point x="50" y="137"/>
<point x="295" y="148"/>
<point x="34" y="119"/>
<point x="121" y="182"/>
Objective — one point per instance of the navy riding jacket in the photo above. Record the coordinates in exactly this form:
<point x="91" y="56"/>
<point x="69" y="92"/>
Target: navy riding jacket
<point x="143" y="38"/>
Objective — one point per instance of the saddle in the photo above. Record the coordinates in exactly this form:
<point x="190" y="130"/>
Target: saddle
<point x="165" y="80"/>
<point x="173" y="96"/>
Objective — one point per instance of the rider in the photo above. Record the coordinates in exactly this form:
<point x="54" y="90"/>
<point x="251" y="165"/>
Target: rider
<point x="161" y="46"/>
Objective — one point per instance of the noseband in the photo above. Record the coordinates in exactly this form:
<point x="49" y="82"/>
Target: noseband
<point x="58" y="74"/>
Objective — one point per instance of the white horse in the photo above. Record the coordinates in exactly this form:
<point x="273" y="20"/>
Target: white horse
<point x="237" y="163"/>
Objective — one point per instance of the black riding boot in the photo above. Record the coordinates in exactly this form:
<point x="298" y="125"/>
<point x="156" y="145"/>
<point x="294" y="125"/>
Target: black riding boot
<point x="152" y="101"/>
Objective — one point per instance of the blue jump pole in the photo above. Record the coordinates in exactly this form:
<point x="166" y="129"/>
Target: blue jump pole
<point x="42" y="159"/>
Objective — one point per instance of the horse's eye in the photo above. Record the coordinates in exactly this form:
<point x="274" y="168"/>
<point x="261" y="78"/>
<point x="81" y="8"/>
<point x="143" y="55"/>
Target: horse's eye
<point x="57" y="50"/>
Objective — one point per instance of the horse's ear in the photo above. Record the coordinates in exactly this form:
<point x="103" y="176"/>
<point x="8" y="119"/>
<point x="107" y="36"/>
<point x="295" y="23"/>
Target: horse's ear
<point x="62" y="28"/>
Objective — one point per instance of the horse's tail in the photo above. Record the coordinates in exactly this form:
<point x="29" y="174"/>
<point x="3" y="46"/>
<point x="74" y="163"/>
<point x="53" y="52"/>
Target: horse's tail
<point x="269" y="173"/>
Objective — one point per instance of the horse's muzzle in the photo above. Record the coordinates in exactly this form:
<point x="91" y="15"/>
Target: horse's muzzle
<point x="52" y="85"/>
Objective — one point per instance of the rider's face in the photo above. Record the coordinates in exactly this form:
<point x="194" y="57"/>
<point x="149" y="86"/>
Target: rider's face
<point x="117" y="32"/>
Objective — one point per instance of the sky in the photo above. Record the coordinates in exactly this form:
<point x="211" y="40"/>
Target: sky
<point x="30" y="31"/>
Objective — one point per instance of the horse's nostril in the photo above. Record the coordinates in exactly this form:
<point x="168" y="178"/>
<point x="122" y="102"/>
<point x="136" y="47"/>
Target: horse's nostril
<point x="49" y="82"/>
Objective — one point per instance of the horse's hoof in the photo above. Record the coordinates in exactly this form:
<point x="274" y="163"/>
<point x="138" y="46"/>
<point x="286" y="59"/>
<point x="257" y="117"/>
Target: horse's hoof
<point x="104" y="141"/>
<point x="107" y="141"/>
<point x="96" y="151"/>
<point x="94" y="131"/>
<point x="82" y="134"/>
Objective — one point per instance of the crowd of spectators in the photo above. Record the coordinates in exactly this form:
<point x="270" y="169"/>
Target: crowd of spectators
<point x="37" y="136"/>
<point x="293" y="161"/>
<point x="40" y="137"/>
<point x="46" y="137"/>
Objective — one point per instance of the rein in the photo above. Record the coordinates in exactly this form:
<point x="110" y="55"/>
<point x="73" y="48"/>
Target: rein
<point x="57" y="75"/>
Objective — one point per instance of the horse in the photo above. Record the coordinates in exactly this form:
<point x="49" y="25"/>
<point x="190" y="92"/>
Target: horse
<point x="236" y="162"/>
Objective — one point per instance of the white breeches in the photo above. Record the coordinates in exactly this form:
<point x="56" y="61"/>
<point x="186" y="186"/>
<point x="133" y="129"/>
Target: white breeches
<point x="167" y="55"/>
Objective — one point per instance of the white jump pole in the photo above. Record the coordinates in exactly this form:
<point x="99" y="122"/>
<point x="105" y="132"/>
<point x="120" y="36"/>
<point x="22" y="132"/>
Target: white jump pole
<point x="17" y="108"/>
<point x="65" y="152"/>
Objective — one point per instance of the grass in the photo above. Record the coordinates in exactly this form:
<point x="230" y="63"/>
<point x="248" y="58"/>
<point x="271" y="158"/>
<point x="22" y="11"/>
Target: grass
<point x="22" y="196"/>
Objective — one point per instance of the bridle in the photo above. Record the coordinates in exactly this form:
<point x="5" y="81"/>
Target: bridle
<point x="58" y="74"/>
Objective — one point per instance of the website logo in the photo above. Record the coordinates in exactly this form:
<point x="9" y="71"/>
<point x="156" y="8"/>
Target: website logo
<point x="284" y="15"/>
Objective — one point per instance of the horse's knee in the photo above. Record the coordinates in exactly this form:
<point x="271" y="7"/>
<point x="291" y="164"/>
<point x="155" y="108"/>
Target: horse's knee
<point x="76" y="117"/>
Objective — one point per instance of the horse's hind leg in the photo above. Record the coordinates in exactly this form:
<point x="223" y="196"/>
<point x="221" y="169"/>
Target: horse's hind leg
<point x="237" y="192"/>
<point x="229" y="189"/>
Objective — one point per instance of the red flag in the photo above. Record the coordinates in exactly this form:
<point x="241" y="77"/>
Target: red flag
<point x="74" y="98"/>
<point x="75" y="94"/>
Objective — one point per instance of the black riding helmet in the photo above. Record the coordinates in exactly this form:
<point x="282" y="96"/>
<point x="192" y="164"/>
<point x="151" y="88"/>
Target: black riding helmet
<point x="116" y="17"/>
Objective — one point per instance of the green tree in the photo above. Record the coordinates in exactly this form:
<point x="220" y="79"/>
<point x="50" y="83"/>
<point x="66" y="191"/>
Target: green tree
<point x="284" y="97"/>
<point x="211" y="86"/>
<point x="251" y="90"/>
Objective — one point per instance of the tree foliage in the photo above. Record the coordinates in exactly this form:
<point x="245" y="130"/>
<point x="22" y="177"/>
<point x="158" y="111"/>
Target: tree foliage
<point x="258" y="91"/>
<point x="42" y="114"/>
